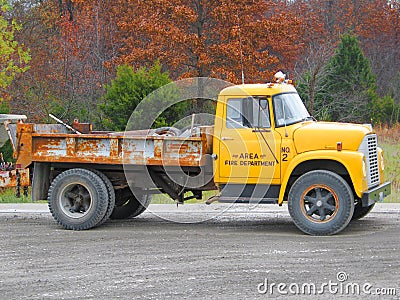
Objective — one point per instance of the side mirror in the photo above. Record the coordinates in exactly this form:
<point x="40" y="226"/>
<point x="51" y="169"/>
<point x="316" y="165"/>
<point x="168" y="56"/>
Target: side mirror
<point x="264" y="103"/>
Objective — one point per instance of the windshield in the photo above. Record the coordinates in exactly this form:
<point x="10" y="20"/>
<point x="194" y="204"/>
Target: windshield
<point x="289" y="109"/>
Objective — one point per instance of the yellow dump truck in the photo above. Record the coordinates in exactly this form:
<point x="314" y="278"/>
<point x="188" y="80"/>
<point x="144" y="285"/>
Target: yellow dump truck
<point x="263" y="147"/>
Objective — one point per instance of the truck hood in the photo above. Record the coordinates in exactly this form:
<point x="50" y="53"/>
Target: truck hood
<point x="326" y="135"/>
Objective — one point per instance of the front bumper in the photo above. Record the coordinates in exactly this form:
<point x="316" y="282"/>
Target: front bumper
<point x="376" y="194"/>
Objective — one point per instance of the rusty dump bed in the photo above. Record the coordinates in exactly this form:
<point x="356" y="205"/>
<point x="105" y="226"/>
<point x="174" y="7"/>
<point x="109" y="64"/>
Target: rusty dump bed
<point x="52" y="143"/>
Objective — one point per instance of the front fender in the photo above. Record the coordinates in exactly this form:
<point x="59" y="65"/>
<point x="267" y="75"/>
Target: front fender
<point x="352" y="161"/>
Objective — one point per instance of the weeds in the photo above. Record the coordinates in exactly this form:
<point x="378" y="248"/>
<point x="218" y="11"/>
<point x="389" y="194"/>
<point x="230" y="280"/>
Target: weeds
<point x="389" y="141"/>
<point x="386" y="134"/>
<point x="7" y="195"/>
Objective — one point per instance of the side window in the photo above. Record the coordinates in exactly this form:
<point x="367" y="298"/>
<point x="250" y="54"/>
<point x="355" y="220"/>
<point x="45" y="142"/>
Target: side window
<point x="233" y="114"/>
<point x="247" y="113"/>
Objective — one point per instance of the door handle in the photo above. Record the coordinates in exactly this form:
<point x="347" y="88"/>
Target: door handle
<point x="227" y="138"/>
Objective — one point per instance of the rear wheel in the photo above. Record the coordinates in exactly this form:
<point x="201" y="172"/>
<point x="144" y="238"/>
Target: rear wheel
<point x="321" y="203"/>
<point x="78" y="199"/>
<point x="128" y="206"/>
<point x="360" y="211"/>
<point x="111" y="195"/>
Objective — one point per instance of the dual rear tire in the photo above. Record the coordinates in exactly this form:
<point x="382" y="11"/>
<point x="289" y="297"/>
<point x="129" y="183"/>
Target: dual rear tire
<point x="78" y="199"/>
<point x="128" y="205"/>
<point x="81" y="199"/>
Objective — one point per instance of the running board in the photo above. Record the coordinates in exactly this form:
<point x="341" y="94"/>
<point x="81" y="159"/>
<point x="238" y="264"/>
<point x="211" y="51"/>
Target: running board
<point x="247" y="200"/>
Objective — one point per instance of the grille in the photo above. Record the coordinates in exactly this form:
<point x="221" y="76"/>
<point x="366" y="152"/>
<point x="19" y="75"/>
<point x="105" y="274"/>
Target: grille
<point x="372" y="161"/>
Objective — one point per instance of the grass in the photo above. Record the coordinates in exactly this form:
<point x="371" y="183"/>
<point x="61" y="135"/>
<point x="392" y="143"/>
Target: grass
<point x="388" y="138"/>
<point x="7" y="195"/>
<point x="389" y="141"/>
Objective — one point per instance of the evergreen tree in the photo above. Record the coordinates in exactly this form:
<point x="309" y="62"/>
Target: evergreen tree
<point x="344" y="88"/>
<point x="350" y="84"/>
<point x="350" y="68"/>
<point x="129" y="88"/>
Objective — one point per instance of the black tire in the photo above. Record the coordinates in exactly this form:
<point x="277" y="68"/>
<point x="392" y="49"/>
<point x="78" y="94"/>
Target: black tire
<point x="360" y="211"/>
<point x="321" y="203"/>
<point x="128" y="206"/>
<point x="167" y="131"/>
<point x="78" y="199"/>
<point x="111" y="196"/>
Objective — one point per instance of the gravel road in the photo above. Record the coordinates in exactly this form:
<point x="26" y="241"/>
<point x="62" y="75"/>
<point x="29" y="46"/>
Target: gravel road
<point x="197" y="252"/>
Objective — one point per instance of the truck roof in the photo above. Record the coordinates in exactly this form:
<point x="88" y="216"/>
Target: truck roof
<point x="265" y="89"/>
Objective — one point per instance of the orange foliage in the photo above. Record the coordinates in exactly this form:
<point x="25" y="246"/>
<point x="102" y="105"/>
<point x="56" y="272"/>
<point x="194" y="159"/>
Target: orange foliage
<point x="202" y="37"/>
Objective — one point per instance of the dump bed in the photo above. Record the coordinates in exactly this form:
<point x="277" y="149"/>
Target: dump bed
<point x="52" y="143"/>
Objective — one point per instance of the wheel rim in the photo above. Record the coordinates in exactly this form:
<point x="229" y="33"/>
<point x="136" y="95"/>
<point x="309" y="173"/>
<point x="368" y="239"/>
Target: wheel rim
<point x="75" y="200"/>
<point x="319" y="203"/>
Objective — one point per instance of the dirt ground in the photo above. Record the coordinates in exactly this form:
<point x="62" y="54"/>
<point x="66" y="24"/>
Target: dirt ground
<point x="240" y="253"/>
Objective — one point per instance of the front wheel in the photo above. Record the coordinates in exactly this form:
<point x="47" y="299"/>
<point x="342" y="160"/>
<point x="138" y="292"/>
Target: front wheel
<point x="321" y="203"/>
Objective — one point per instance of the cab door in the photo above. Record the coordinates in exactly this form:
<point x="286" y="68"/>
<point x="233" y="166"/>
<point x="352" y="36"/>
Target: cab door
<point x="248" y="145"/>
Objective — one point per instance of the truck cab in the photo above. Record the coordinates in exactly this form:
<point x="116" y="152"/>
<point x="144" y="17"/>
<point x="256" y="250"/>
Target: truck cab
<point x="268" y="149"/>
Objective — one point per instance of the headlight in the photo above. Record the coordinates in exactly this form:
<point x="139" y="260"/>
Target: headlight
<point x="382" y="162"/>
<point x="364" y="166"/>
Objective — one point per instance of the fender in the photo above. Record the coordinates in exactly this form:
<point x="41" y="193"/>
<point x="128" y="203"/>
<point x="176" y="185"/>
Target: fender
<point x="351" y="160"/>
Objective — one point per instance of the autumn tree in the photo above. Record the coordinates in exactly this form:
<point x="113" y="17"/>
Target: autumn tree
<point x="85" y="40"/>
<point x="70" y="42"/>
<point x="39" y="92"/>
<point x="208" y="38"/>
<point x="14" y="57"/>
